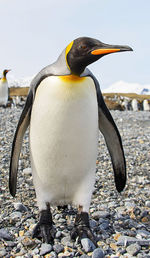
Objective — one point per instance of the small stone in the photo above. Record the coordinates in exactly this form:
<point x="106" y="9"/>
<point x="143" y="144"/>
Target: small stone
<point x="58" y="234"/>
<point x="133" y="249"/>
<point x="98" y="253"/>
<point x="53" y="254"/>
<point x="144" y="214"/>
<point x="147" y="204"/>
<point x="141" y="256"/>
<point x="100" y="214"/>
<point x="21" y="233"/>
<point x="124" y="240"/>
<point x="116" y="236"/>
<point x="57" y="216"/>
<point x="104" y="226"/>
<point x="10" y="243"/>
<point x="129" y="205"/>
<point x="113" y="246"/>
<point x="27" y="171"/>
<point x="4" y="234"/>
<point x="84" y="256"/>
<point x="58" y="248"/>
<point x="3" y="252"/>
<point x="16" y="215"/>
<point x="20" y="207"/>
<point x="93" y="223"/>
<point x="28" y="242"/>
<point x="145" y="219"/>
<point x="66" y="241"/>
<point x="87" y="245"/>
<point x="35" y="251"/>
<point x="47" y="256"/>
<point x="45" y="248"/>
<point x="32" y="226"/>
<point x="143" y="233"/>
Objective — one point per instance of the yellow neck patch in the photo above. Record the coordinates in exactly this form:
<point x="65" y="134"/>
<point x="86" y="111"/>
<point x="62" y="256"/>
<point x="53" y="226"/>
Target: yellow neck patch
<point x="67" y="51"/>
<point x="3" y="79"/>
<point x="72" y="78"/>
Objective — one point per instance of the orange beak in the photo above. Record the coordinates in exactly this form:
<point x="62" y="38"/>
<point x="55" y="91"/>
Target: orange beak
<point x="8" y="70"/>
<point x="104" y="51"/>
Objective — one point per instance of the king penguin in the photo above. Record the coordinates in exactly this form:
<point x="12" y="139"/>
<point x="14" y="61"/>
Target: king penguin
<point x="4" y="89"/>
<point x="66" y="110"/>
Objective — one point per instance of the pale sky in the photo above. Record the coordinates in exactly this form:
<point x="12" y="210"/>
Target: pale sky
<point x="34" y="33"/>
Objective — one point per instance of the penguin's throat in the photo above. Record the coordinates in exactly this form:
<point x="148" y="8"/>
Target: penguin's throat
<point x="71" y="78"/>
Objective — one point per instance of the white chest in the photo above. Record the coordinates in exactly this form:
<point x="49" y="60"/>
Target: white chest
<point x="3" y="92"/>
<point x="64" y="129"/>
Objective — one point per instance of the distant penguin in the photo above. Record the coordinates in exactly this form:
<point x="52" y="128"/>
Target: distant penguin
<point x="4" y="89"/>
<point x="65" y="109"/>
<point x="125" y="104"/>
<point x="134" y="104"/>
<point x="146" y="105"/>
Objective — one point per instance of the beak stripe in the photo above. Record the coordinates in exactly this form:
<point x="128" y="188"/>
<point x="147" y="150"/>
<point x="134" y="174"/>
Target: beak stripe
<point x="104" y="51"/>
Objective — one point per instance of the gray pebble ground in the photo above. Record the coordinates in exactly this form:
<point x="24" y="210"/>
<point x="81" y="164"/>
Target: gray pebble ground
<point x="120" y="222"/>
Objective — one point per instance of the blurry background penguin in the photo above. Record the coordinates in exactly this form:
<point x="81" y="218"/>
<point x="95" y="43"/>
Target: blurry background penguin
<point x="65" y="110"/>
<point x="4" y="89"/>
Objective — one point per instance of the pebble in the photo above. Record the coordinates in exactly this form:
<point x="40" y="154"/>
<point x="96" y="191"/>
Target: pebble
<point x="104" y="226"/>
<point x="126" y="240"/>
<point x="16" y="215"/>
<point x="53" y="254"/>
<point x="143" y="233"/>
<point x="58" y="248"/>
<point x="45" y="248"/>
<point x="58" y="234"/>
<point x="98" y="253"/>
<point x="133" y="249"/>
<point x="147" y="203"/>
<point x="66" y="241"/>
<point x="93" y="223"/>
<point x="20" y="207"/>
<point x="4" y="234"/>
<point x="100" y="214"/>
<point x="27" y="171"/>
<point x="3" y="252"/>
<point x="87" y="245"/>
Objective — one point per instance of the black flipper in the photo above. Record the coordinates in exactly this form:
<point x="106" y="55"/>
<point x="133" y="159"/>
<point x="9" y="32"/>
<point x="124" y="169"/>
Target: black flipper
<point x="17" y="142"/>
<point x="112" y="137"/>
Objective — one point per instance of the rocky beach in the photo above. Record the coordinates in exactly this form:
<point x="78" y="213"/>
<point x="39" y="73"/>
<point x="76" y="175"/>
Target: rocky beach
<point x="121" y="222"/>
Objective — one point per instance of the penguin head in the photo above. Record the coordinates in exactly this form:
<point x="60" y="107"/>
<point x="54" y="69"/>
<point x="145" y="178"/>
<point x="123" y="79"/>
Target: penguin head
<point x="84" y="50"/>
<point x="5" y="72"/>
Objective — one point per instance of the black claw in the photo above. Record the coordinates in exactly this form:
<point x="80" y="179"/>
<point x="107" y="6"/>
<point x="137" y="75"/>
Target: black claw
<point x="46" y="234"/>
<point x="82" y="228"/>
<point x="36" y="231"/>
<point x="44" y="227"/>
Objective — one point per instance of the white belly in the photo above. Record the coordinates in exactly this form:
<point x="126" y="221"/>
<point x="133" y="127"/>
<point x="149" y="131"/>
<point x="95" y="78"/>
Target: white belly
<point x="64" y="139"/>
<point x="3" y="92"/>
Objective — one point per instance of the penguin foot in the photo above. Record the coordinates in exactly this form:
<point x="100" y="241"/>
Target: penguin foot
<point x="82" y="228"/>
<point x="44" y="228"/>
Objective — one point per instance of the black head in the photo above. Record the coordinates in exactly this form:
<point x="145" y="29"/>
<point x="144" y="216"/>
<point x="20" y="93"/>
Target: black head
<point x="83" y="51"/>
<point x="5" y="72"/>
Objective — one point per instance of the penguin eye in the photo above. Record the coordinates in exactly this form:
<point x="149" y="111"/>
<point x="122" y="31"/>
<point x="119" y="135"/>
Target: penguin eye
<point x="82" y="47"/>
